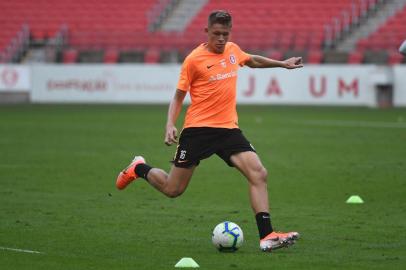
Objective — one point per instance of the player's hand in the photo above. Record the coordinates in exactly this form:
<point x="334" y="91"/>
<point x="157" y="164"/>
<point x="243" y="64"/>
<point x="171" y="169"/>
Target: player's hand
<point x="171" y="135"/>
<point x="293" y="62"/>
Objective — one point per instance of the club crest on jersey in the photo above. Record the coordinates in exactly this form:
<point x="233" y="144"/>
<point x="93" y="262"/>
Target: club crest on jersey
<point x="223" y="63"/>
<point x="232" y="59"/>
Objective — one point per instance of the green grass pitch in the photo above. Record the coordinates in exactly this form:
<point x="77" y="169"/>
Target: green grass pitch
<point x="58" y="166"/>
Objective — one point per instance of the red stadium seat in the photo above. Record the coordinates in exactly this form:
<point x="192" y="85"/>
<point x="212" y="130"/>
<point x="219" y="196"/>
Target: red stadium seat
<point x="152" y="56"/>
<point x="276" y="55"/>
<point x="70" y="56"/>
<point x="355" y="57"/>
<point x="314" y="57"/>
<point x="107" y="16"/>
<point x="395" y="58"/>
<point x="110" y="56"/>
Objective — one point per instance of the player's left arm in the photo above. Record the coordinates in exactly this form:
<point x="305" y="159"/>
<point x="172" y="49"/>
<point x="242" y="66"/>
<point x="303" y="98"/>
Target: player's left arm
<point x="257" y="61"/>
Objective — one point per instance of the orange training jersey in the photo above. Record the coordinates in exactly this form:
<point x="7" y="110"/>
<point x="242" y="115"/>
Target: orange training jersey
<point x="211" y="80"/>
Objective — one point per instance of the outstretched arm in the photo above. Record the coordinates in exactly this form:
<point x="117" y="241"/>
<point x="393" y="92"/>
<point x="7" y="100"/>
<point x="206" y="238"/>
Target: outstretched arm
<point x="171" y="133"/>
<point x="257" y="61"/>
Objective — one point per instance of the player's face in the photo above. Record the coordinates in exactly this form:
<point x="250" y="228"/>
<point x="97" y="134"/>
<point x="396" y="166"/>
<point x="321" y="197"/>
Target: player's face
<point x="218" y="35"/>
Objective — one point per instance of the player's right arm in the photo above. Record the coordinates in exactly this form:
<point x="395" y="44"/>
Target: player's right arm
<point x="171" y="133"/>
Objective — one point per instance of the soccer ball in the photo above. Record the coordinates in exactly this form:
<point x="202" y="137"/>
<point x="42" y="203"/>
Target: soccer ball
<point x="227" y="236"/>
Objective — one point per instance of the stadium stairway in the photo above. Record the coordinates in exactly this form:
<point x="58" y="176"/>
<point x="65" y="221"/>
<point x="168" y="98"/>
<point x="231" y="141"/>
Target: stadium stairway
<point x="383" y="44"/>
<point x="384" y="11"/>
<point x="181" y="15"/>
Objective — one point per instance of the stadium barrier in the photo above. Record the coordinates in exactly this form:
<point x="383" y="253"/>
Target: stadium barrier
<point x="399" y="84"/>
<point x="15" y="85"/>
<point x="14" y="78"/>
<point x="347" y="85"/>
<point x="104" y="83"/>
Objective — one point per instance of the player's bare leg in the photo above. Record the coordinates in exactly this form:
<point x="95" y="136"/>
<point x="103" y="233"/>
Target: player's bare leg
<point x="172" y="184"/>
<point x="249" y="164"/>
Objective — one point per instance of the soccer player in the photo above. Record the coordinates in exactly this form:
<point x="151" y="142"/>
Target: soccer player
<point x="209" y="74"/>
<point x="402" y="48"/>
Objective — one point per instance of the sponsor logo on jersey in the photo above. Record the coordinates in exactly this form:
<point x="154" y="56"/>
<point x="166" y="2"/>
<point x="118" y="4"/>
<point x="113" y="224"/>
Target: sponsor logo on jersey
<point x="223" y="76"/>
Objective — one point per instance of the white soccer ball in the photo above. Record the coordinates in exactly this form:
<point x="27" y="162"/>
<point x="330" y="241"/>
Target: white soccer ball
<point x="227" y="236"/>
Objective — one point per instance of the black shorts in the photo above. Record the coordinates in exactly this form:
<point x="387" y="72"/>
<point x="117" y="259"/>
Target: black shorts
<point x="198" y="143"/>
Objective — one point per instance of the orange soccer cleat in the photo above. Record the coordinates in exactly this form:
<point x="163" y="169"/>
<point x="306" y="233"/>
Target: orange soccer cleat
<point x="128" y="174"/>
<point x="277" y="240"/>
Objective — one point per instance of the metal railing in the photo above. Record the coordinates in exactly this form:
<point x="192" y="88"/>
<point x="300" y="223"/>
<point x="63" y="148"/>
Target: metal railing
<point x="17" y="46"/>
<point x="343" y="24"/>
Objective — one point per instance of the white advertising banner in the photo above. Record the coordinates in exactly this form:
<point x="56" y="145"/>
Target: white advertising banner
<point x="104" y="83"/>
<point x="311" y="85"/>
<point x="14" y="78"/>
<point x="399" y="86"/>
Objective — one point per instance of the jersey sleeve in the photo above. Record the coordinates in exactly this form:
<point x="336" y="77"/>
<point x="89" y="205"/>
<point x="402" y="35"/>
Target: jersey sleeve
<point x="185" y="76"/>
<point x="242" y="56"/>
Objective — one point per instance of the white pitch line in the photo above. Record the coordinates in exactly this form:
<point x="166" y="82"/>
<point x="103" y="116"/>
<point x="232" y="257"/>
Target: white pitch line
<point x="340" y="123"/>
<point x="20" y="250"/>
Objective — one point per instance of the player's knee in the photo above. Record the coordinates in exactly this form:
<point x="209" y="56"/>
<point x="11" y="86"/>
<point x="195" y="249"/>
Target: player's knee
<point x="259" y="175"/>
<point x="263" y="173"/>
<point x="174" y="193"/>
